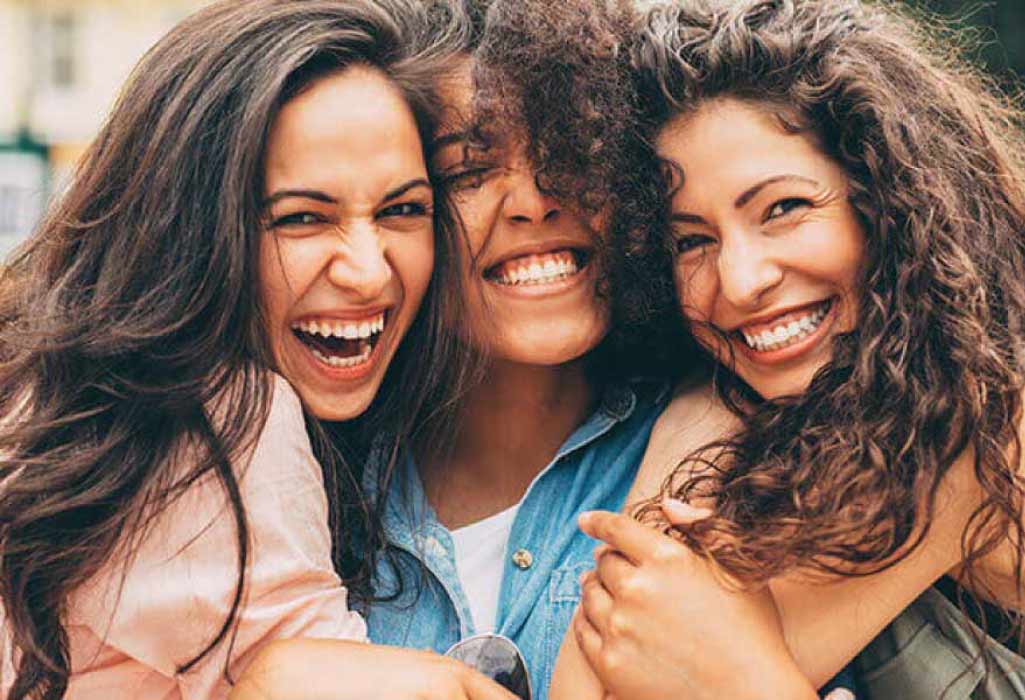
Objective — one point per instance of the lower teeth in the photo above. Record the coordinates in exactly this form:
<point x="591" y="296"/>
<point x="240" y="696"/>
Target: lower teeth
<point x="343" y="362"/>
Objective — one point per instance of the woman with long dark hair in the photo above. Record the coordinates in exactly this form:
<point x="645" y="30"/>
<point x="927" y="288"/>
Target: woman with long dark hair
<point x="237" y="293"/>
<point x="531" y="150"/>
<point x="846" y="218"/>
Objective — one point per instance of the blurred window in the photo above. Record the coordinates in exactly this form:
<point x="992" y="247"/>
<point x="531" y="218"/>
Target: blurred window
<point x="62" y="49"/>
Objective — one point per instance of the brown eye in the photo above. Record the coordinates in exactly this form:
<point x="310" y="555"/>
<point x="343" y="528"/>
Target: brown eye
<point x="690" y="242"/>
<point x="785" y="206"/>
<point x="302" y="218"/>
<point x="404" y="209"/>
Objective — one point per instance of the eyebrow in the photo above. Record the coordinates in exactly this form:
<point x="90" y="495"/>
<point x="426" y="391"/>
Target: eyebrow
<point x="319" y="196"/>
<point x="745" y="196"/>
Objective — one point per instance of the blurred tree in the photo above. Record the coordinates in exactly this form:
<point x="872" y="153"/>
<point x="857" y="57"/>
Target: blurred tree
<point x="1001" y="25"/>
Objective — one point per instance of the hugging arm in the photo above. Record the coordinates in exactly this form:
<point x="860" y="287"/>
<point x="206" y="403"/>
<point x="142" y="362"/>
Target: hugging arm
<point x="329" y="669"/>
<point x="653" y="614"/>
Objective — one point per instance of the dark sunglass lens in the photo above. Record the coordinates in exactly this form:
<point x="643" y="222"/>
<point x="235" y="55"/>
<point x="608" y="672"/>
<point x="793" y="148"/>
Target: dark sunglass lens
<point x="498" y="659"/>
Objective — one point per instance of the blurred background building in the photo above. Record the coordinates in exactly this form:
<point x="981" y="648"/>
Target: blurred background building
<point x="62" y="62"/>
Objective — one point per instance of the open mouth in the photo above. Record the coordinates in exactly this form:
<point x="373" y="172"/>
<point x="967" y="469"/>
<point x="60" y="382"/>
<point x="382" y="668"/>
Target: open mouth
<point x="341" y="343"/>
<point x="789" y="329"/>
<point x="539" y="269"/>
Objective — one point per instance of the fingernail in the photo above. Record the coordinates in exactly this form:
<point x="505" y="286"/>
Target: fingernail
<point x="840" y="694"/>
<point x="684" y="510"/>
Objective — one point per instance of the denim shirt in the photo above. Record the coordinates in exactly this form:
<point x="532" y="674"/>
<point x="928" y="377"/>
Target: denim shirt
<point x="546" y="553"/>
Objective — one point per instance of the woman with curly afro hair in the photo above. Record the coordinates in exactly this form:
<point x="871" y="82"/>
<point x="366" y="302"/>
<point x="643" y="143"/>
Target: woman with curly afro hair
<point x="533" y="152"/>
<point x="846" y="233"/>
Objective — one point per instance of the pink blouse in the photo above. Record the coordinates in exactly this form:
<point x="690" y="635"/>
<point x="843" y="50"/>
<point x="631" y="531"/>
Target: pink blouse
<point x="127" y="641"/>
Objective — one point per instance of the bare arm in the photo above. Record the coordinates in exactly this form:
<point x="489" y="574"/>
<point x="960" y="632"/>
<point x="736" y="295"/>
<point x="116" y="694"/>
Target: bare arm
<point x="328" y="669"/>
<point x="824" y="623"/>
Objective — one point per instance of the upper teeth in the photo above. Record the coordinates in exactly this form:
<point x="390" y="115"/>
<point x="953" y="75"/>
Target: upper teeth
<point x="787" y="333"/>
<point x="350" y="330"/>
<point x="537" y="269"/>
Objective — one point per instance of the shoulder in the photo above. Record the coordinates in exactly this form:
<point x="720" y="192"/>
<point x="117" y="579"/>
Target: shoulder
<point x="693" y="418"/>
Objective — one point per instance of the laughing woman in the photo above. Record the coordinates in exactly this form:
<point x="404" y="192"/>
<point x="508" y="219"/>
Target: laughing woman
<point x="483" y="537"/>
<point x="847" y="219"/>
<point x="237" y="268"/>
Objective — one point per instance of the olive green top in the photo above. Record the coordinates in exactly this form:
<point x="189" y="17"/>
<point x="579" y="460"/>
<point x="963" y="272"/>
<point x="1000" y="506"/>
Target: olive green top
<point x="933" y="647"/>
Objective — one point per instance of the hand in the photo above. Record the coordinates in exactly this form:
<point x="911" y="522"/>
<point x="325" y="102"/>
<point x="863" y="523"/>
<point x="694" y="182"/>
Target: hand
<point x="656" y="622"/>
<point x="327" y="669"/>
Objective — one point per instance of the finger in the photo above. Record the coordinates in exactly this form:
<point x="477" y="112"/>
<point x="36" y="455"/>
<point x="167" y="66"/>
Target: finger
<point x="588" y="639"/>
<point x="596" y="605"/>
<point x="479" y="687"/>
<point x="638" y="542"/>
<point x="612" y="572"/>
<point x="679" y="513"/>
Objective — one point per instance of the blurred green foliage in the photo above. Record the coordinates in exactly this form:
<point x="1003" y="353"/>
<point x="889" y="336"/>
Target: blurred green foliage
<point x="1001" y="29"/>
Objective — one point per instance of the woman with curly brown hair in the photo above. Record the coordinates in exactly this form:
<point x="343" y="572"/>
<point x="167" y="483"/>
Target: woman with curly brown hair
<point x="532" y="148"/>
<point x="847" y="225"/>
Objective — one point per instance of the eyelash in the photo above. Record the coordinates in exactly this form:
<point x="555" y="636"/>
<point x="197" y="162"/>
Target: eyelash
<point x="297" y="219"/>
<point x="797" y="202"/>
<point x="690" y="242"/>
<point x="305" y="218"/>
<point x="404" y="209"/>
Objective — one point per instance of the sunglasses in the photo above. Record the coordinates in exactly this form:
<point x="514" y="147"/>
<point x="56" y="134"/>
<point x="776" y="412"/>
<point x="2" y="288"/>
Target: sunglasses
<point x="496" y="657"/>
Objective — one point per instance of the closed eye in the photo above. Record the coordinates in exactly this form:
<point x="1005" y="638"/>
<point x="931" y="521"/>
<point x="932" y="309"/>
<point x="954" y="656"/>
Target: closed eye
<point x="785" y="206"/>
<point x="469" y="179"/>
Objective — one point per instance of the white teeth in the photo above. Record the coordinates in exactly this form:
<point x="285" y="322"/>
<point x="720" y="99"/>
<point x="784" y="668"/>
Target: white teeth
<point x="551" y="269"/>
<point x="353" y="361"/>
<point x="785" y="335"/>
<point x="337" y="328"/>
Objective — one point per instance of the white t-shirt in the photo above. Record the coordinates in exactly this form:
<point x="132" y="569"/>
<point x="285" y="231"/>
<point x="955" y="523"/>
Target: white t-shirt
<point x="480" y="559"/>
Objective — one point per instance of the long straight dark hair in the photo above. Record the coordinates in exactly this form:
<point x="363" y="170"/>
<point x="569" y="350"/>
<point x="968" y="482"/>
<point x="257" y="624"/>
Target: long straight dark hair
<point x="135" y="305"/>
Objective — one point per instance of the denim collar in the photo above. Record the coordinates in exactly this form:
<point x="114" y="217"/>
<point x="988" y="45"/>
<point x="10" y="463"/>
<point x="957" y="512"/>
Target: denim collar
<point x="409" y="520"/>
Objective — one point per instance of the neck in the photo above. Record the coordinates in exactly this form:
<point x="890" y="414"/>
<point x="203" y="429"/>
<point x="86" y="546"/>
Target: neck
<point x="509" y="428"/>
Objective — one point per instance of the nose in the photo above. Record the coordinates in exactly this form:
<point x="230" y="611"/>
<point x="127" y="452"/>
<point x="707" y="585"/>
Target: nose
<point x="359" y="263"/>
<point x="525" y="202"/>
<point x="748" y="269"/>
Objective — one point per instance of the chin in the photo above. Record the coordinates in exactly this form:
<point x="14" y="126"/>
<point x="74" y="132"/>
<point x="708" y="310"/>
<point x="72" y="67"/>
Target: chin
<point x="545" y="348"/>
<point x="792" y="383"/>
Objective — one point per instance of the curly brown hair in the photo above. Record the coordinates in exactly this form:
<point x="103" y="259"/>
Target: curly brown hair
<point x="843" y="478"/>
<point x="560" y="75"/>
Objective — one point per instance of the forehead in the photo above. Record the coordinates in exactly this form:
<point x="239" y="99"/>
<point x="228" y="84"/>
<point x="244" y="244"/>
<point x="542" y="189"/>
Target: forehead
<point x="354" y="122"/>
<point x="729" y="140"/>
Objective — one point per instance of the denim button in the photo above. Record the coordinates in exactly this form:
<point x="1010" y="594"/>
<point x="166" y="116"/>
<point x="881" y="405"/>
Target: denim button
<point x="523" y="559"/>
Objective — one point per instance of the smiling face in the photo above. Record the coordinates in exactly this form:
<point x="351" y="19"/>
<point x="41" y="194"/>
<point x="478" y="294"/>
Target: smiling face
<point x="349" y="247"/>
<point x="528" y="258"/>
<point x="768" y="246"/>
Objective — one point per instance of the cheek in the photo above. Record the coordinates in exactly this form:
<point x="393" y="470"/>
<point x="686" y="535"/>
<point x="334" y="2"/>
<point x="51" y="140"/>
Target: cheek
<point x="287" y="267"/>
<point x="695" y="289"/>
<point x="413" y="260"/>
